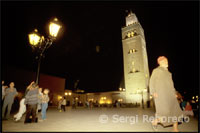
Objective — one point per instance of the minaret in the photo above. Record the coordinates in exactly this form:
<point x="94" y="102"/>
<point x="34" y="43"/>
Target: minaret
<point x="136" y="70"/>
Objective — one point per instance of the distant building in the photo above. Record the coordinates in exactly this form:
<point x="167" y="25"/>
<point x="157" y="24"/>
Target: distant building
<point x="136" y="71"/>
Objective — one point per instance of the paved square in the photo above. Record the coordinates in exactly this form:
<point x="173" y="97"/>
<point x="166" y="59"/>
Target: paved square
<point x="96" y="119"/>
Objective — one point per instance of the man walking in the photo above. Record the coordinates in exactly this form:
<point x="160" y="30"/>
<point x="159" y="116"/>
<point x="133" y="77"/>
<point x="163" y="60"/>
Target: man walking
<point x="164" y="94"/>
<point x="10" y="94"/>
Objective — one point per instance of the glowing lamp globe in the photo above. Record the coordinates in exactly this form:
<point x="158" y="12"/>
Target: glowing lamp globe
<point x="54" y="28"/>
<point x="34" y="38"/>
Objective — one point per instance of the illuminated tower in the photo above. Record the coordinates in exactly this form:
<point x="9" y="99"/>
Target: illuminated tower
<point x="136" y="71"/>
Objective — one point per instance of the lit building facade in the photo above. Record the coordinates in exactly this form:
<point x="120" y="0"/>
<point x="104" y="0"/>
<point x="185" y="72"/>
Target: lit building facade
<point x="136" y="71"/>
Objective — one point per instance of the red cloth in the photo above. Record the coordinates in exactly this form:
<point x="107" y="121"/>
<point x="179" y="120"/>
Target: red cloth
<point x="188" y="108"/>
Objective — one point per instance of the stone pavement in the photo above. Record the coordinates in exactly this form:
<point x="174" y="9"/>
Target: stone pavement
<point x="96" y="119"/>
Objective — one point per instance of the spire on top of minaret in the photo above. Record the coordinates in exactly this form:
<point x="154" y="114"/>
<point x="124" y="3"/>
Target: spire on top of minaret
<point x="131" y="18"/>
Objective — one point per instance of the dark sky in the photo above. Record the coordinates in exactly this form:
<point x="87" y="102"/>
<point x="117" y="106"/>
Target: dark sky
<point x="171" y="29"/>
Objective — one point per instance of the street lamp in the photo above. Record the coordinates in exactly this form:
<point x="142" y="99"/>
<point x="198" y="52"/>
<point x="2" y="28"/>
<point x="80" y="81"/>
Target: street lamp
<point x="54" y="28"/>
<point x="41" y="44"/>
<point x="34" y="38"/>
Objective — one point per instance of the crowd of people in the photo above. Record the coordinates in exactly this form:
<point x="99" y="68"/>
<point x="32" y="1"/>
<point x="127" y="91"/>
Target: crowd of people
<point x="89" y="104"/>
<point x="33" y="101"/>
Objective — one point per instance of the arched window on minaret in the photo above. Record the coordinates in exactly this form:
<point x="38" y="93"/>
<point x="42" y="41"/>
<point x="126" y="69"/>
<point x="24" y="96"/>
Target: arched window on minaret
<point x="132" y="51"/>
<point x="135" y="32"/>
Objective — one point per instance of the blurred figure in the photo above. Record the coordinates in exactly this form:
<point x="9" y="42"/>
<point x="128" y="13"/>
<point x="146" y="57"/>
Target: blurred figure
<point x="31" y="100"/>
<point x="45" y="100"/>
<point x="3" y="89"/>
<point x="97" y="103"/>
<point x="22" y="107"/>
<point x="40" y="94"/>
<point x="115" y="104"/>
<point x="164" y="94"/>
<point x="183" y="104"/>
<point x="10" y="94"/>
<point x="91" y="104"/>
<point x="63" y="104"/>
<point x="87" y="104"/>
<point x="188" y="110"/>
<point x="74" y="103"/>
<point x="59" y="105"/>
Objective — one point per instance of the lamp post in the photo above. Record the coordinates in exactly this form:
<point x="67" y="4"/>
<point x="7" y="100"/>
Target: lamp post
<point x="40" y="44"/>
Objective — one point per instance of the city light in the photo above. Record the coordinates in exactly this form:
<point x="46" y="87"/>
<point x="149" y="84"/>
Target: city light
<point x="103" y="98"/>
<point x="34" y="38"/>
<point x="66" y="93"/>
<point x="193" y="97"/>
<point x="54" y="28"/>
<point x="120" y="100"/>
<point x="101" y="101"/>
<point x="59" y="97"/>
<point x="120" y="89"/>
<point x="70" y="93"/>
<point x="91" y="99"/>
<point x="108" y="102"/>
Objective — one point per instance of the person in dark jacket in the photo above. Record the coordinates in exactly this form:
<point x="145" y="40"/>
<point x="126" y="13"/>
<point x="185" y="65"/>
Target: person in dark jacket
<point x="165" y="98"/>
<point x="31" y="100"/>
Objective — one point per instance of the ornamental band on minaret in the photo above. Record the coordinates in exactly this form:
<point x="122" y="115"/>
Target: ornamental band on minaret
<point x="136" y="71"/>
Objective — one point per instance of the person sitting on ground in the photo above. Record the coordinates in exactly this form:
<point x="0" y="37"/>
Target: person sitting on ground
<point x="188" y="110"/>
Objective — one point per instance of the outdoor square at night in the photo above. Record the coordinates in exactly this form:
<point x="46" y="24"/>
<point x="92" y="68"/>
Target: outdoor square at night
<point x="100" y="66"/>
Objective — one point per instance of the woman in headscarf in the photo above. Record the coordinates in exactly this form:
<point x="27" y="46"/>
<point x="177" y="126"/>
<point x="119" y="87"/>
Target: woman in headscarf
<point x="162" y="89"/>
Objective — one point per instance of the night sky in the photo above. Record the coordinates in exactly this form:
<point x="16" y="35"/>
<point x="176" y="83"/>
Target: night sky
<point x="171" y="29"/>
